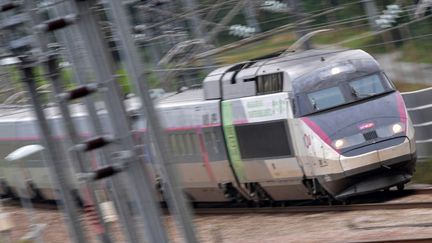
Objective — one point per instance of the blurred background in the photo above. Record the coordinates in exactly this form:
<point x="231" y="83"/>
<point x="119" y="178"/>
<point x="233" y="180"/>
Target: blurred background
<point x="181" y="42"/>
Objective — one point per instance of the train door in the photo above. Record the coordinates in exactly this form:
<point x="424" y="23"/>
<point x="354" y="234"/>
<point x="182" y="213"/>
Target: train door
<point x="260" y="147"/>
<point x="196" y="142"/>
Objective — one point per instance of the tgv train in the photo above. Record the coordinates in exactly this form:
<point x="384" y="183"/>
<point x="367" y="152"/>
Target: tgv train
<point x="293" y="126"/>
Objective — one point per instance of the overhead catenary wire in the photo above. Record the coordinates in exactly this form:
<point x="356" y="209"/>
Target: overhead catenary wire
<point x="322" y="25"/>
<point x="179" y="16"/>
<point x="385" y="30"/>
<point x="328" y="24"/>
<point x="311" y="27"/>
<point x="28" y="109"/>
<point x="222" y="65"/>
<point x="183" y="15"/>
<point x="190" y="13"/>
<point x="348" y="20"/>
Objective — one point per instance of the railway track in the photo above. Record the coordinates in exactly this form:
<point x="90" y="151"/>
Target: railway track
<point x="316" y="208"/>
<point x="376" y="201"/>
<point x="405" y="240"/>
<point x="358" y="204"/>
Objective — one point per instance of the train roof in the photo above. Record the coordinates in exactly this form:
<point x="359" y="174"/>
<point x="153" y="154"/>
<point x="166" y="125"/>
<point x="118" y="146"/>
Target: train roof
<point x="308" y="61"/>
<point x="188" y="95"/>
<point x="12" y="113"/>
<point x="227" y="82"/>
<point x="234" y="81"/>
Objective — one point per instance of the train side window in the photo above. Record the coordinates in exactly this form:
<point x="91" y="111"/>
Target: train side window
<point x="188" y="143"/>
<point x="173" y="143"/>
<point x="208" y="141"/>
<point x="215" y="142"/>
<point x="264" y="140"/>
<point x="191" y="143"/>
<point x="181" y="144"/>
<point x="211" y="141"/>
<point x="195" y="146"/>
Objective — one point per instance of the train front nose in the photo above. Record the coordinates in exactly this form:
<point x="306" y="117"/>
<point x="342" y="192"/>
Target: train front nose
<point x="380" y="154"/>
<point x="377" y="166"/>
<point x="376" y="147"/>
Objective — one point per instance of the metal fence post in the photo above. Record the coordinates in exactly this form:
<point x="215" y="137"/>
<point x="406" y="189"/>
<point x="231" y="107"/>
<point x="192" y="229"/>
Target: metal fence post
<point x="175" y="198"/>
<point x="60" y="177"/>
<point x="118" y="194"/>
<point x="102" y="64"/>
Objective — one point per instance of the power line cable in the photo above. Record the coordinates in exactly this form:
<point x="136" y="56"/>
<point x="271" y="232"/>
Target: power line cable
<point x="336" y="51"/>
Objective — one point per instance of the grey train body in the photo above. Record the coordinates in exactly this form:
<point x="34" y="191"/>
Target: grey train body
<point x="296" y="126"/>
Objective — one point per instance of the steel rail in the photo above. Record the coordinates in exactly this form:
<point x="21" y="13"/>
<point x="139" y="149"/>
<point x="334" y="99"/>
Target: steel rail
<point x="315" y="208"/>
<point x="226" y="209"/>
<point x="403" y="240"/>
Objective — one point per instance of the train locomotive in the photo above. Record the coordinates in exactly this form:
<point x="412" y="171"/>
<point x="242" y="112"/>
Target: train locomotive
<point x="293" y="126"/>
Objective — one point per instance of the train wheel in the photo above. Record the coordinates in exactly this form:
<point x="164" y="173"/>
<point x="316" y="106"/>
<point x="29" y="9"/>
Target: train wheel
<point x="7" y="190"/>
<point x="346" y="202"/>
<point x="32" y="188"/>
<point x="331" y="201"/>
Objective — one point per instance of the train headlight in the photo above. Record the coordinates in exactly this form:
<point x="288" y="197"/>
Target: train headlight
<point x="397" y="128"/>
<point x="349" y="141"/>
<point x="391" y="130"/>
<point x="339" y="143"/>
<point x="335" y="70"/>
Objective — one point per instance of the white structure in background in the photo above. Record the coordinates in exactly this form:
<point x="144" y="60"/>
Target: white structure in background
<point x="389" y="16"/>
<point x="35" y="232"/>
<point x="23" y="152"/>
<point x="422" y="6"/>
<point x="241" y="30"/>
<point x="275" y="6"/>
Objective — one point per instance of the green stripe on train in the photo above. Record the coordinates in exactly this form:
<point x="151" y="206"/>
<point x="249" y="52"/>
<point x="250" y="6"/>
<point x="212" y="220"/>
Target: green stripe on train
<point x="231" y="140"/>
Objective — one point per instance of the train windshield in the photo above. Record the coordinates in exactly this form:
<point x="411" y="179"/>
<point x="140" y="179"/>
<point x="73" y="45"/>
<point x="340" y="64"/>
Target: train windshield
<point x="367" y="86"/>
<point x="326" y="98"/>
<point x="342" y="92"/>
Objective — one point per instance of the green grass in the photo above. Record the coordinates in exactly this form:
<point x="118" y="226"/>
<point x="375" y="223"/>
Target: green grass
<point x="423" y="172"/>
<point x="126" y="86"/>
<point x="123" y="80"/>
<point x="406" y="87"/>
<point x="284" y="40"/>
<point x="331" y="37"/>
<point x="417" y="51"/>
<point x="368" y="44"/>
<point x="257" y="49"/>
